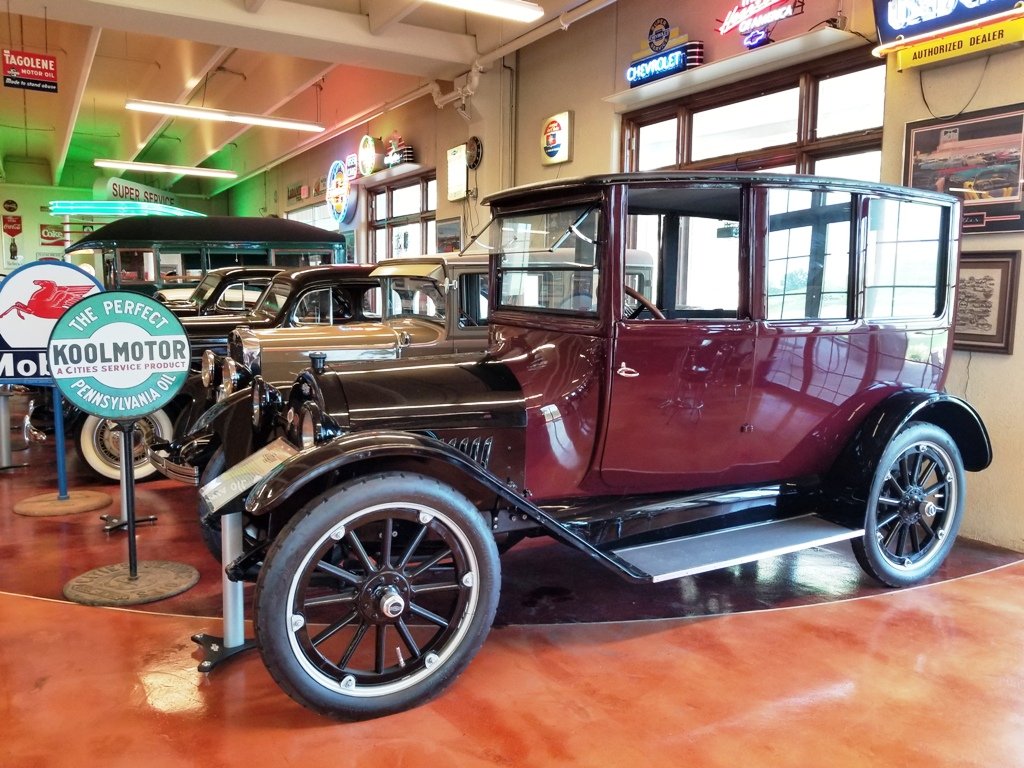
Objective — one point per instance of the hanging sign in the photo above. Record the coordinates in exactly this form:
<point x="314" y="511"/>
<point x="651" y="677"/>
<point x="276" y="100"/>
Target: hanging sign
<point x="961" y="44"/>
<point x="31" y="71"/>
<point x="32" y="298"/>
<point x="118" y="355"/>
<point x="121" y="190"/>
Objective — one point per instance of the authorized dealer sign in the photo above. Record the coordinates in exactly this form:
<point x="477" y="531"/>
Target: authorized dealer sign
<point x="118" y="355"/>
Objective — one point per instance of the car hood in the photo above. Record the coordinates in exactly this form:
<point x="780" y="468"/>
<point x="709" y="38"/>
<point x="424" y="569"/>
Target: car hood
<point x="418" y="394"/>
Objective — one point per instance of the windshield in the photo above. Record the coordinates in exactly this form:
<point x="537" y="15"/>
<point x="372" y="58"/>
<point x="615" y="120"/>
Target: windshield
<point x="547" y="260"/>
<point x="417" y="297"/>
<point x="204" y="290"/>
<point x="273" y="299"/>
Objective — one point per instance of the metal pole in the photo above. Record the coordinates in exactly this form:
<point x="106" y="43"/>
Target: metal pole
<point x="5" y="427"/>
<point x="128" y="494"/>
<point x="58" y="439"/>
<point x="232" y="591"/>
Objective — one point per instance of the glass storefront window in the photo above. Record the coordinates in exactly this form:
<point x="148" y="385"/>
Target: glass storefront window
<point x="402" y="222"/>
<point x="863" y="166"/>
<point x="851" y="102"/>
<point x="765" y="121"/>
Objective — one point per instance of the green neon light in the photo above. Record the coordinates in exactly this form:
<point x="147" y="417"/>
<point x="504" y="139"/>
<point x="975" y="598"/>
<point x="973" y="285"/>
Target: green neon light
<point x="115" y="208"/>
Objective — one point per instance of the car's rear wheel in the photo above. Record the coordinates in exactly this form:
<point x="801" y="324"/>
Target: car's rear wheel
<point x="914" y="507"/>
<point x="98" y="442"/>
<point x="376" y="595"/>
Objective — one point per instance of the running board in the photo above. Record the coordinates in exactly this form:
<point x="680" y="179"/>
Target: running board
<point x="672" y="559"/>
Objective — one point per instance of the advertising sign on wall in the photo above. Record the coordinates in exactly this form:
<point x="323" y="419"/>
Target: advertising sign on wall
<point x="556" y="139"/>
<point x="31" y="71"/>
<point x="898" y="20"/>
<point x="51" y="235"/>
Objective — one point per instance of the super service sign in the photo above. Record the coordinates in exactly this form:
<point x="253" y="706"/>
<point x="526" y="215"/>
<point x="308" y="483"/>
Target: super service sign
<point x="118" y="355"/>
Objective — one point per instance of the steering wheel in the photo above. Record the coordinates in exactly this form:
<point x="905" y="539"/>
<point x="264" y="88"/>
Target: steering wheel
<point x="643" y="302"/>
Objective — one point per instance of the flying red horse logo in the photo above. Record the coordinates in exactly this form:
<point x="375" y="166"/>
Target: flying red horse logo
<point x="49" y="300"/>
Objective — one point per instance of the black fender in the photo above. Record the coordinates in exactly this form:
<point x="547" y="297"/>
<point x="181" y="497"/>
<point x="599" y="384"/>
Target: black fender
<point x="192" y="400"/>
<point x="850" y="479"/>
<point x="374" y="450"/>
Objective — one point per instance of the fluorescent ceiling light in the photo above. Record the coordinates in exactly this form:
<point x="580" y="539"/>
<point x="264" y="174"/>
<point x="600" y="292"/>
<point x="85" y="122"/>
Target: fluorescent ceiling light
<point x="220" y="115"/>
<point x="513" y="10"/>
<point x="183" y="170"/>
<point x="115" y="208"/>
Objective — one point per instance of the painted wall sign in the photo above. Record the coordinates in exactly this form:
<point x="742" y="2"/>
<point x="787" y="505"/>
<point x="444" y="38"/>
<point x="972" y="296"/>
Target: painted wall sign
<point x="556" y="139"/>
<point x="961" y="44"/>
<point x="120" y="190"/>
<point x="900" y="19"/>
<point x="32" y="298"/>
<point x="754" y="14"/>
<point x="31" y="71"/>
<point x="118" y="355"/>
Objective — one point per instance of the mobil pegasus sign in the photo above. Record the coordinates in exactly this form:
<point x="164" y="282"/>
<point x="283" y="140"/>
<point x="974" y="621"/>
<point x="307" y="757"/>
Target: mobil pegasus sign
<point x="32" y="298"/>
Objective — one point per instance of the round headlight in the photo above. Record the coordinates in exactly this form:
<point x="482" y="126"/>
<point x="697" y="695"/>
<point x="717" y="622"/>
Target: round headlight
<point x="229" y="374"/>
<point x="209" y="361"/>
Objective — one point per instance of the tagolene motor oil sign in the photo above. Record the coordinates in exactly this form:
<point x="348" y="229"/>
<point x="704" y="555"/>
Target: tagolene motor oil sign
<point x="119" y="355"/>
<point x="32" y="298"/>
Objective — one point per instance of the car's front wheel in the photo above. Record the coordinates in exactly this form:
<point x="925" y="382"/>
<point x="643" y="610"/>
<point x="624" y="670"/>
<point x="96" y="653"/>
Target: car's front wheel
<point x="376" y="595"/>
<point x="98" y="442"/>
<point x="914" y="507"/>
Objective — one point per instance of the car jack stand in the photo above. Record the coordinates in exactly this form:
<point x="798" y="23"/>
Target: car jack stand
<point x="219" y="649"/>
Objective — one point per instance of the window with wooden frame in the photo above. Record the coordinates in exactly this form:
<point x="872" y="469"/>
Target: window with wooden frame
<point x="403" y="218"/>
<point x="822" y="117"/>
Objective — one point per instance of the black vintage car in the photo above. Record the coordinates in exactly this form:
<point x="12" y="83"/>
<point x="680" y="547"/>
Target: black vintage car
<point x="303" y="296"/>
<point x="228" y="290"/>
<point x="772" y="381"/>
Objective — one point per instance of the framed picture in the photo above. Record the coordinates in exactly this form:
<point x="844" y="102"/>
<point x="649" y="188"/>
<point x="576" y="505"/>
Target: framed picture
<point x="976" y="156"/>
<point x="986" y="302"/>
<point x="449" y="235"/>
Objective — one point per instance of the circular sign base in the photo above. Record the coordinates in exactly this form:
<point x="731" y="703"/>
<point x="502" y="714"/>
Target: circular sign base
<point x="112" y="585"/>
<point x="49" y="504"/>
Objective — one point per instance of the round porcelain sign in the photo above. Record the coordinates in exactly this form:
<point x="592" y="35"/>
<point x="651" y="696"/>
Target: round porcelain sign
<point x="118" y="355"/>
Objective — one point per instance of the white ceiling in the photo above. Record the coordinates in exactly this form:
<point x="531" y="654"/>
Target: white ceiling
<point x="325" y="60"/>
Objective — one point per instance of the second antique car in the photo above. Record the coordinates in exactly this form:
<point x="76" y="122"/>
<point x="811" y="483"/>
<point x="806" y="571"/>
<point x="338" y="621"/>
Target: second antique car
<point x="320" y="296"/>
<point x="227" y="290"/>
<point x="774" y="382"/>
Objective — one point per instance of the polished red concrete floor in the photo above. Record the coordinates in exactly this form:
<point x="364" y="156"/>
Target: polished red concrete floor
<point x="795" y="661"/>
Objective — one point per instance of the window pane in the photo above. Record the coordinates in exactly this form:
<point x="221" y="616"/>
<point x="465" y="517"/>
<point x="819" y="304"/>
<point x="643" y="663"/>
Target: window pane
<point x="432" y="195"/>
<point x="380" y="205"/>
<point x="752" y="124"/>
<point x="405" y="200"/>
<point x="657" y="145"/>
<point x="864" y="166"/>
<point x="851" y="102"/>
<point x="808" y="254"/>
<point x="405" y="241"/>
<point x="902" y="273"/>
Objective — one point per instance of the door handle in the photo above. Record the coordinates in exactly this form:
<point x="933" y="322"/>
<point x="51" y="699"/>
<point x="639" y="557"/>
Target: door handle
<point x="627" y="372"/>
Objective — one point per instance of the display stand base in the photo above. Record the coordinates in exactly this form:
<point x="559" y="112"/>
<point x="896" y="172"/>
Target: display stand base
<point x="114" y="523"/>
<point x="214" y="652"/>
<point x="113" y="585"/>
<point x="49" y="504"/>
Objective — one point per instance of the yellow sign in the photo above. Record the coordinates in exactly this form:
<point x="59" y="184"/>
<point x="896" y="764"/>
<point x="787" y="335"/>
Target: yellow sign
<point x="961" y="44"/>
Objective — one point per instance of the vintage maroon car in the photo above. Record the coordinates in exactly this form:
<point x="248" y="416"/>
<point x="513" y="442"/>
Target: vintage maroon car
<point x="686" y="371"/>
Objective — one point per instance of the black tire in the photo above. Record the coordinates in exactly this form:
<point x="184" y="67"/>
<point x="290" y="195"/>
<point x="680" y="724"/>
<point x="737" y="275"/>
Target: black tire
<point x="398" y="576"/>
<point x="914" y="508"/>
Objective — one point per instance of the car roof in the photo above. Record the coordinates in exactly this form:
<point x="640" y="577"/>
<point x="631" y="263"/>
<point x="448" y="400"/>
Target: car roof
<point x="581" y="184"/>
<point x="260" y="271"/>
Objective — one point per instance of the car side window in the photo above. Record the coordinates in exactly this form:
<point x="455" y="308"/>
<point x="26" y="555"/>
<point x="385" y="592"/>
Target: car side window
<point x="906" y="263"/>
<point x="684" y="252"/>
<point x="808" y="254"/>
<point x="314" y="308"/>
<point x="472" y="298"/>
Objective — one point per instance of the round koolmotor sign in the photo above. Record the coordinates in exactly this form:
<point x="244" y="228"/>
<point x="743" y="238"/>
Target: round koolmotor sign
<point x="118" y="355"/>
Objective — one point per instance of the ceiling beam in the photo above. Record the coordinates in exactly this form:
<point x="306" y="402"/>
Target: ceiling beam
<point x="385" y="13"/>
<point x="66" y="127"/>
